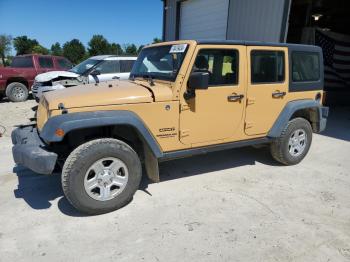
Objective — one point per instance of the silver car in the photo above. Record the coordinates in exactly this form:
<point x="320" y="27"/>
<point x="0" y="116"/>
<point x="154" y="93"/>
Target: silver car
<point x="95" y="69"/>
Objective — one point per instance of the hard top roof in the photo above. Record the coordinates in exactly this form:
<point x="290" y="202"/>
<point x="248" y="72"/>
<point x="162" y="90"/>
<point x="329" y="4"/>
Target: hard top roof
<point x="253" y="43"/>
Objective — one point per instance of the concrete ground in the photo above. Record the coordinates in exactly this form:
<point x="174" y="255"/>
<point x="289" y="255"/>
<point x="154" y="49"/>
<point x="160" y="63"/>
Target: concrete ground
<point x="236" y="205"/>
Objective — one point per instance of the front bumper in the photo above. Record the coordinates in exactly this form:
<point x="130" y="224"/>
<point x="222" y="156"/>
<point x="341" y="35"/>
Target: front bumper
<point x="28" y="150"/>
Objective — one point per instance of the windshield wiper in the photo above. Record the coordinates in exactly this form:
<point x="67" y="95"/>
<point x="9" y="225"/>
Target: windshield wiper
<point x="149" y="78"/>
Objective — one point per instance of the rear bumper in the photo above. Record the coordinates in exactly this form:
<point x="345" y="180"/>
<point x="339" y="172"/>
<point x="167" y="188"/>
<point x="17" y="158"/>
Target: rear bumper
<point x="28" y="150"/>
<point x="324" y="111"/>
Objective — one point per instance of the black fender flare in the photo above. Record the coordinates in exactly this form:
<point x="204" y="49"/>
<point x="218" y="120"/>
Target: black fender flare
<point x="82" y="120"/>
<point x="291" y="108"/>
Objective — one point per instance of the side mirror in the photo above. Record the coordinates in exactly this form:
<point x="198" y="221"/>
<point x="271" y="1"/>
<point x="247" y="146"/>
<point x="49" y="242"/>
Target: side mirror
<point x="197" y="80"/>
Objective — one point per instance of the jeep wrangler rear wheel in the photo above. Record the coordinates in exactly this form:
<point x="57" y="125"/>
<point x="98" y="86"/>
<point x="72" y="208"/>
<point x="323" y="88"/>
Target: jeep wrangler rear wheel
<point x="17" y="92"/>
<point x="101" y="176"/>
<point x="294" y="143"/>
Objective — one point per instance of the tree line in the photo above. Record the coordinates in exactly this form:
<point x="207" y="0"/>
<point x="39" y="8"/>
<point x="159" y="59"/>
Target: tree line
<point x="74" y="49"/>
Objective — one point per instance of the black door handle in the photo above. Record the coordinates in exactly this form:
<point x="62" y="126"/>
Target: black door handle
<point x="278" y="94"/>
<point x="115" y="77"/>
<point x="234" y="98"/>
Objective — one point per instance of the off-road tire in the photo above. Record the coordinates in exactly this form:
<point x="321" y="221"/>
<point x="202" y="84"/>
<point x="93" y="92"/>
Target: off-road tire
<point x="279" y="147"/>
<point x="80" y="160"/>
<point x="17" y="92"/>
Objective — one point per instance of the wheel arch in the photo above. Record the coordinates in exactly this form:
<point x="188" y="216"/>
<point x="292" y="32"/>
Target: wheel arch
<point x="109" y="123"/>
<point x="19" y="80"/>
<point x="308" y="109"/>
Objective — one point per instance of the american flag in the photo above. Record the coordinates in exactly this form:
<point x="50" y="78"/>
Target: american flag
<point x="336" y="55"/>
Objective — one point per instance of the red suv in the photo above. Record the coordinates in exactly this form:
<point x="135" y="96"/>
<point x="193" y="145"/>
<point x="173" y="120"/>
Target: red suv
<point x="17" y="79"/>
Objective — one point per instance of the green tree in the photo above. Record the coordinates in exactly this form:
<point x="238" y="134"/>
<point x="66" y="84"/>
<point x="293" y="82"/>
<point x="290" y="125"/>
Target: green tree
<point x="74" y="50"/>
<point x="140" y="48"/>
<point x="24" y="45"/>
<point x="157" y="40"/>
<point x="39" y="49"/>
<point x="130" y="49"/>
<point x="98" y="45"/>
<point x="116" y="49"/>
<point x="56" y="49"/>
<point x="5" y="47"/>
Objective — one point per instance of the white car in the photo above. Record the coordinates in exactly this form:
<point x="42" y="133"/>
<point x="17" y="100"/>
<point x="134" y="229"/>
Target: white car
<point x="93" y="70"/>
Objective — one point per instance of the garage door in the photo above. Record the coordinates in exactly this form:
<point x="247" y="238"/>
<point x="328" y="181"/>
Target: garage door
<point x="203" y="19"/>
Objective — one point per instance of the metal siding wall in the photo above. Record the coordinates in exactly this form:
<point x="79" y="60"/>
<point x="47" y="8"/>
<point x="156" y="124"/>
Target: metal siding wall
<point x="257" y="20"/>
<point x="203" y="19"/>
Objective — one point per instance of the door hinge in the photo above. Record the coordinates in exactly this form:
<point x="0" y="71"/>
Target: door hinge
<point x="184" y="133"/>
<point x="250" y="101"/>
<point x="248" y="125"/>
<point x="184" y="107"/>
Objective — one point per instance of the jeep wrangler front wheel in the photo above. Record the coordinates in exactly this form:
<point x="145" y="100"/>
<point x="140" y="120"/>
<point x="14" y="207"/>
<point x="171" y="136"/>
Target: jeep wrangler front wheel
<point x="101" y="176"/>
<point x="294" y="143"/>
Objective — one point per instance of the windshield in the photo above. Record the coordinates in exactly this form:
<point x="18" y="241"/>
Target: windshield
<point x="161" y="62"/>
<point x="84" y="66"/>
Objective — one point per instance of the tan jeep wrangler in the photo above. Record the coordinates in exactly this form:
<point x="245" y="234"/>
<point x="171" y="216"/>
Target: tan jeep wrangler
<point x="183" y="98"/>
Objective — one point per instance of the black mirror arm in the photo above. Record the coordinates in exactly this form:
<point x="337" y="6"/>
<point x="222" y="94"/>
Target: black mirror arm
<point x="189" y="94"/>
<point x="95" y="78"/>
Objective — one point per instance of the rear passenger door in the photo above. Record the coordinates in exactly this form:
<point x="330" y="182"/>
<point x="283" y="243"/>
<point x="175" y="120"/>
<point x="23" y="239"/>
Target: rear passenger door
<point x="268" y="80"/>
<point x="125" y="68"/>
<point x="63" y="63"/>
<point x="45" y="64"/>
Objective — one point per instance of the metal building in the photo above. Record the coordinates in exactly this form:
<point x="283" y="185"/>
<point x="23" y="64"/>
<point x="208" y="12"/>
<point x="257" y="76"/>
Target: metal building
<point x="226" y="19"/>
<point x="319" y="22"/>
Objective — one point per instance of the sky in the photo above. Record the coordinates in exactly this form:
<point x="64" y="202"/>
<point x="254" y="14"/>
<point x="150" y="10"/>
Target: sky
<point x="50" y="21"/>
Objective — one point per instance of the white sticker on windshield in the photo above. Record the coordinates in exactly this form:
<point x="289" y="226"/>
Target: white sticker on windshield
<point x="178" y="48"/>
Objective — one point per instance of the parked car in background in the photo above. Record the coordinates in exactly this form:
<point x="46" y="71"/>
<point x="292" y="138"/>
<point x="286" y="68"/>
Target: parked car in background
<point x="16" y="80"/>
<point x="93" y="70"/>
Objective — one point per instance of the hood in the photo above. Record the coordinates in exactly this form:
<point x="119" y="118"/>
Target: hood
<point x="48" y="76"/>
<point x="106" y="93"/>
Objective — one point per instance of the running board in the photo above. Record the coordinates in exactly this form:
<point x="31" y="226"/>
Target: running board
<point x="213" y="148"/>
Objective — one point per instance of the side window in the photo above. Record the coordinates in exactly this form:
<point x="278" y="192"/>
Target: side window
<point x="64" y="63"/>
<point x="267" y="67"/>
<point x="108" y="67"/>
<point x="45" y="62"/>
<point x="305" y="66"/>
<point x="221" y="64"/>
<point x="126" y="65"/>
<point x="22" y="62"/>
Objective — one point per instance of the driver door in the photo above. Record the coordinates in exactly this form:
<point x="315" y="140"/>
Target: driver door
<point x="215" y="113"/>
<point x="109" y="70"/>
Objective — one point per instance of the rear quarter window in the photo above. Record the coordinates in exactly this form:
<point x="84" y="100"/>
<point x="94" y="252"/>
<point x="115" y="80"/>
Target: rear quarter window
<point x="22" y="62"/>
<point x="305" y="66"/>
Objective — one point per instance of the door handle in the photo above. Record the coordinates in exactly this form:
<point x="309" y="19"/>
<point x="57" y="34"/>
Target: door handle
<point x="278" y="94"/>
<point x="115" y="77"/>
<point x="234" y="98"/>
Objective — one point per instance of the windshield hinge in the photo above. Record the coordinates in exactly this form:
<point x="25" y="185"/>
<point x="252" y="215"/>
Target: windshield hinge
<point x="184" y="133"/>
<point x="184" y="107"/>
